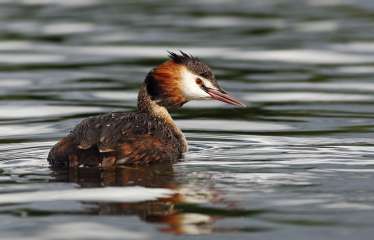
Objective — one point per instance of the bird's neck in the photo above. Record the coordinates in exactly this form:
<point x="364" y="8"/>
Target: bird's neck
<point x="151" y="107"/>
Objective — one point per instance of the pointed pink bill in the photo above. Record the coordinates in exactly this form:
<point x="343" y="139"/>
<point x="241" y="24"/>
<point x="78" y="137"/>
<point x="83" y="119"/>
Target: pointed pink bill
<point x="224" y="97"/>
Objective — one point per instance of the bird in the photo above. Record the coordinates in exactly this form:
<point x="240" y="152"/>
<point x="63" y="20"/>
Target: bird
<point x="149" y="134"/>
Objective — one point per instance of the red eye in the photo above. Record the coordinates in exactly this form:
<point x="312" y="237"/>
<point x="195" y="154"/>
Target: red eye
<point x="199" y="81"/>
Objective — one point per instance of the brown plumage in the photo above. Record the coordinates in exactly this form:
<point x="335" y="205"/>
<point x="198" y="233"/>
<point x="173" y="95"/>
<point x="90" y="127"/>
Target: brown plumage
<point x="120" y="138"/>
<point x="148" y="135"/>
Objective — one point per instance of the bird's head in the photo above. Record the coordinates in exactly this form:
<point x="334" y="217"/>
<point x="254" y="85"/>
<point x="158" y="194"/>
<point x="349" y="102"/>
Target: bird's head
<point x="184" y="78"/>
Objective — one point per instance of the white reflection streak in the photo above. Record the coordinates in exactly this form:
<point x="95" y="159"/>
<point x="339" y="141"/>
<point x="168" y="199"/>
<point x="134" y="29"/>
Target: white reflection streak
<point x="306" y="56"/>
<point x="231" y="125"/>
<point x="305" y="97"/>
<point x="68" y="28"/>
<point x="71" y="3"/>
<point x="108" y="194"/>
<point x="30" y="58"/>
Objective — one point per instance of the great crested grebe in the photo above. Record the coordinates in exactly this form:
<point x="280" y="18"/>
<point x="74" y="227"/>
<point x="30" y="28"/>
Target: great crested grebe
<point x="148" y="135"/>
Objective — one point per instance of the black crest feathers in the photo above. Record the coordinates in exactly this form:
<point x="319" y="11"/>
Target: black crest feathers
<point x="182" y="58"/>
<point x="192" y="63"/>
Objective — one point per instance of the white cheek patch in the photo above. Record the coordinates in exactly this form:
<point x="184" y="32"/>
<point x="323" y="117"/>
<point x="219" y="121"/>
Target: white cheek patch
<point x="190" y="89"/>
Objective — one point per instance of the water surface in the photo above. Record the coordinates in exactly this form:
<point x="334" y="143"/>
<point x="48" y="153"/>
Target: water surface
<point x="296" y="164"/>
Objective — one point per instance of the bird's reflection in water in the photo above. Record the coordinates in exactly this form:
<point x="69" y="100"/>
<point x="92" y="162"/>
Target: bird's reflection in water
<point x="160" y="211"/>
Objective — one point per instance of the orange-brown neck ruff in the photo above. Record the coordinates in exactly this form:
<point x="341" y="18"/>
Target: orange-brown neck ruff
<point x="163" y="85"/>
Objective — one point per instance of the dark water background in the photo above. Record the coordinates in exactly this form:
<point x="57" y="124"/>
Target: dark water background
<point x="298" y="163"/>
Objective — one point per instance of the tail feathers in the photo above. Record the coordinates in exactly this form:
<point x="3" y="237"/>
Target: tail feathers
<point x="66" y="154"/>
<point x="58" y="156"/>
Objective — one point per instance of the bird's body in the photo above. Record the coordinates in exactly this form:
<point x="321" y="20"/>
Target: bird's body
<point x="148" y="135"/>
